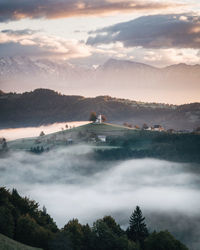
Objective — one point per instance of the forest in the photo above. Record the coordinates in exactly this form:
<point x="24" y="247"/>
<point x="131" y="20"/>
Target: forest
<point x="22" y="220"/>
<point x="158" y="145"/>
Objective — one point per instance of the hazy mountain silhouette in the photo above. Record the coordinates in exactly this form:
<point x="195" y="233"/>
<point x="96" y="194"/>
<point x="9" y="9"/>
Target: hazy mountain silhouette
<point x="125" y="79"/>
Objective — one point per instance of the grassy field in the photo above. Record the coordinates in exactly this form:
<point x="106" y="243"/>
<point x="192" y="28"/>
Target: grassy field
<point x="121" y="143"/>
<point x="78" y="134"/>
<point x="9" y="244"/>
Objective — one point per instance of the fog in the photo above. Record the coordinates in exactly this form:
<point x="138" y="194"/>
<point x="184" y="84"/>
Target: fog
<point x="17" y="133"/>
<point x="71" y="184"/>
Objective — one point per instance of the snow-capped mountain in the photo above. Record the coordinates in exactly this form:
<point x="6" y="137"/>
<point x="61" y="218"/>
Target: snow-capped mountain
<point x="174" y="84"/>
<point x="10" y="66"/>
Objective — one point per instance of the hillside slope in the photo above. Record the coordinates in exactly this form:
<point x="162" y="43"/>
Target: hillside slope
<point x="44" y="106"/>
<point x="9" y="244"/>
<point x="120" y="143"/>
<point x="79" y="134"/>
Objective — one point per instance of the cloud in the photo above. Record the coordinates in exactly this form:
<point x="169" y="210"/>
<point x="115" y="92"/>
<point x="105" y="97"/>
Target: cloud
<point x="29" y="42"/>
<point x="156" y="32"/>
<point x="17" y="133"/>
<point x="165" y="57"/>
<point x="73" y="174"/>
<point x="16" y="10"/>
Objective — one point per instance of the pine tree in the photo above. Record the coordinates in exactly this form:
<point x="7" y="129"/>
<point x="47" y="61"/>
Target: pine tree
<point x="93" y="116"/>
<point x="42" y="133"/>
<point x="137" y="230"/>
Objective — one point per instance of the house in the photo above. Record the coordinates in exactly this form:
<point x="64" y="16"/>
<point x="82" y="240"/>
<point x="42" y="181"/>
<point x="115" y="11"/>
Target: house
<point x="147" y="128"/>
<point x="101" y="138"/>
<point x="158" y="128"/>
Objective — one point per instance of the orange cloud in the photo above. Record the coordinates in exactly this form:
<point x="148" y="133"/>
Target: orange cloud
<point x="59" y="9"/>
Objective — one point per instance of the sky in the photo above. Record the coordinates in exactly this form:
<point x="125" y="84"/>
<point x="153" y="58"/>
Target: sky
<point x="155" y="32"/>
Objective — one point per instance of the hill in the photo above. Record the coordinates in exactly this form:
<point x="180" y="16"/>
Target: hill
<point x="85" y="133"/>
<point x="114" y="142"/>
<point x="9" y="244"/>
<point x="44" y="106"/>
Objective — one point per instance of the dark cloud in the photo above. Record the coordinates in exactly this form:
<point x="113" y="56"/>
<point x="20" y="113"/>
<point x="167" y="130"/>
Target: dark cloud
<point x="16" y="49"/>
<point x="20" y="32"/>
<point x="157" y="31"/>
<point x="16" y="10"/>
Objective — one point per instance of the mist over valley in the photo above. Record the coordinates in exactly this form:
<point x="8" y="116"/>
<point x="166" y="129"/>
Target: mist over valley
<point x="100" y="125"/>
<point x="72" y="184"/>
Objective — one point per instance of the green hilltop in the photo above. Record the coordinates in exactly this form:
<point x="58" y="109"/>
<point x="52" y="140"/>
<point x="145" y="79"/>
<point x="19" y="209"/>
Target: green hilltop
<point x="84" y="133"/>
<point x="114" y="142"/>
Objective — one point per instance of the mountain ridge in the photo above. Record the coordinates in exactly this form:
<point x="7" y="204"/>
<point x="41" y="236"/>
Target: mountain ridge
<point x="44" y="106"/>
<point x="121" y="78"/>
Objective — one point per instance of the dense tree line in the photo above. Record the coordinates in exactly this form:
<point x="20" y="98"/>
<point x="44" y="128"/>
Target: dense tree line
<point x="162" y="145"/>
<point x="22" y="220"/>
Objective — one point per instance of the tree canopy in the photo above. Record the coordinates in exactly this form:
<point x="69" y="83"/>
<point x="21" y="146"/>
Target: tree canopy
<point x="22" y="220"/>
<point x="93" y="117"/>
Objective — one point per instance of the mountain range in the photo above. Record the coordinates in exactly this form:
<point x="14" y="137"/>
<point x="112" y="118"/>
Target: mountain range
<point x="176" y="84"/>
<point x="44" y="106"/>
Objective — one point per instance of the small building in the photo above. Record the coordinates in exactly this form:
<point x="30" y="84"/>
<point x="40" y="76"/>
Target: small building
<point x="99" y="119"/>
<point x="101" y="138"/>
<point x="147" y="128"/>
<point x="158" y="128"/>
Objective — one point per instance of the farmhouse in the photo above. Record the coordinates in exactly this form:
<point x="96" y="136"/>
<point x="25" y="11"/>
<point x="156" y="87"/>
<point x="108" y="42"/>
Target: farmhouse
<point x="158" y="128"/>
<point x="102" y="138"/>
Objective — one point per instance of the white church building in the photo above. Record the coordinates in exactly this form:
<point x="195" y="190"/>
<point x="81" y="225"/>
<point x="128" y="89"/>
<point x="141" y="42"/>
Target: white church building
<point x="99" y="119"/>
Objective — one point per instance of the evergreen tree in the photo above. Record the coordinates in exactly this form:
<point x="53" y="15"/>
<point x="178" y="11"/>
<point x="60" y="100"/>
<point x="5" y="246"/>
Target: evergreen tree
<point x="137" y="230"/>
<point x="75" y="233"/>
<point x="103" y="118"/>
<point x="163" y="241"/>
<point x="42" y="133"/>
<point x="4" y="145"/>
<point x="6" y="221"/>
<point x="93" y="116"/>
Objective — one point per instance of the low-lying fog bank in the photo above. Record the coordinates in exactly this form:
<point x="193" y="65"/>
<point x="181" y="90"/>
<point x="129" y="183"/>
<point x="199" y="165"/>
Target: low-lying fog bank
<point x="72" y="185"/>
<point x="17" y="133"/>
